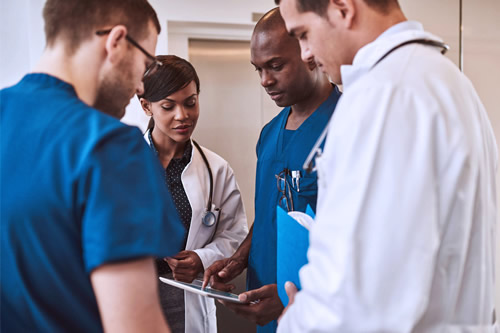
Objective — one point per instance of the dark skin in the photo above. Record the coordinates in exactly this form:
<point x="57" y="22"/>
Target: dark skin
<point x="262" y="305"/>
<point x="223" y="271"/>
<point x="266" y="305"/>
<point x="285" y="77"/>
<point x="289" y="81"/>
<point x="185" y="266"/>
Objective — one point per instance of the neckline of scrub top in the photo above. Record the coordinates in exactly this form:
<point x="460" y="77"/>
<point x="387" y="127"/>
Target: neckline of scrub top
<point x="322" y="109"/>
<point x="48" y="80"/>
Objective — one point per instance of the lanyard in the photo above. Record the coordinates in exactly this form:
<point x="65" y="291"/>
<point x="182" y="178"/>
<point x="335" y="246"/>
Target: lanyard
<point x="422" y="41"/>
<point x="316" y="150"/>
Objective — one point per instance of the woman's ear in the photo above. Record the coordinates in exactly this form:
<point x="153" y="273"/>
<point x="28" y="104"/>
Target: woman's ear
<point x="146" y="106"/>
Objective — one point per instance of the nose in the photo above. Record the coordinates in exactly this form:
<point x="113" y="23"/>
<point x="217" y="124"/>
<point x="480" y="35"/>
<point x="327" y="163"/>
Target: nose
<point x="140" y="88"/>
<point x="305" y="53"/>
<point x="181" y="113"/>
<point x="266" y="79"/>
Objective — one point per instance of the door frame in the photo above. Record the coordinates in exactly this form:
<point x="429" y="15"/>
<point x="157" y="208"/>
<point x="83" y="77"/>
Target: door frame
<point x="179" y="33"/>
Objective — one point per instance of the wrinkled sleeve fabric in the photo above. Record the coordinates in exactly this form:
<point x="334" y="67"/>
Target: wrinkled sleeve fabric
<point x="376" y="235"/>
<point x="125" y="208"/>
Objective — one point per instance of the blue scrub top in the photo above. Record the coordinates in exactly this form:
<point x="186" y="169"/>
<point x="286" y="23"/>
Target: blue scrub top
<point x="79" y="189"/>
<point x="273" y="155"/>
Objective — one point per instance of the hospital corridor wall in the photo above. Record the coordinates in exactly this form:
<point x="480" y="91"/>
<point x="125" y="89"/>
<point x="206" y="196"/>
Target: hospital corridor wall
<point x="199" y="29"/>
<point x="231" y="116"/>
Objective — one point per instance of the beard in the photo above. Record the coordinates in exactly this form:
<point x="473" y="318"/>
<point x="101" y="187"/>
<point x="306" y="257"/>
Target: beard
<point x="115" y="91"/>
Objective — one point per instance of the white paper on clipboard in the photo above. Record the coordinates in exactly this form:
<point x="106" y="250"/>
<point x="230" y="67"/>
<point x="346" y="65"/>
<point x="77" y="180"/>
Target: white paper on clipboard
<point x="195" y="287"/>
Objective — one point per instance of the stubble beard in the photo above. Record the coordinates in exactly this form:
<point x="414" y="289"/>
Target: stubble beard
<point x="114" y="92"/>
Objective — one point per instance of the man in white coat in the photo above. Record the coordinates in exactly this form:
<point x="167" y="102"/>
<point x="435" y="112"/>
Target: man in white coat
<point x="405" y="227"/>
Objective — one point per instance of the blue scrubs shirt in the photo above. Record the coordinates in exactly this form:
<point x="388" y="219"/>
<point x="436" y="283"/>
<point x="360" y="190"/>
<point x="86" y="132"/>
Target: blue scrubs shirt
<point x="79" y="189"/>
<point x="273" y="156"/>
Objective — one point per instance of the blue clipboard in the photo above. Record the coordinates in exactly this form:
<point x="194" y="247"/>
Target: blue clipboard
<point x="292" y="245"/>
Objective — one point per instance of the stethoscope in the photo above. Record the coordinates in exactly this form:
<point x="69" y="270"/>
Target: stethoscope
<point x="211" y="215"/>
<point x="209" y="218"/>
<point x="316" y="150"/>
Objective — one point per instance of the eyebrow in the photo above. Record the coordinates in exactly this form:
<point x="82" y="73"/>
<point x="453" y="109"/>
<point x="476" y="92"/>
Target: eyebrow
<point x="273" y="59"/>
<point x="268" y="61"/>
<point x="292" y="33"/>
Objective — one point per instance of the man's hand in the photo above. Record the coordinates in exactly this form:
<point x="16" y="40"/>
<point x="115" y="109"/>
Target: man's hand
<point x="265" y="305"/>
<point x="185" y="266"/>
<point x="291" y="291"/>
<point x="222" y="271"/>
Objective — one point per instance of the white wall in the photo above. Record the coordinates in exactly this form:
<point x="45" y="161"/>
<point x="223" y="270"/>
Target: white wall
<point x="214" y="14"/>
<point x="214" y="11"/>
<point x="21" y="38"/>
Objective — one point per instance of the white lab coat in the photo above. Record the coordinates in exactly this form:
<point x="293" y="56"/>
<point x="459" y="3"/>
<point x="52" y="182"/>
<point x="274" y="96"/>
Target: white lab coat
<point x="405" y="227"/>
<point x="231" y="230"/>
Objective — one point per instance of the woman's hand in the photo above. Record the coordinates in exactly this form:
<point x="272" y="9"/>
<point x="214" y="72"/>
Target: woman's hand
<point x="185" y="266"/>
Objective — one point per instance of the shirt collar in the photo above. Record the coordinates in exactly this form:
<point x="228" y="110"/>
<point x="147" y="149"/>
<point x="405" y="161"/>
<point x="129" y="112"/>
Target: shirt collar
<point x="368" y="55"/>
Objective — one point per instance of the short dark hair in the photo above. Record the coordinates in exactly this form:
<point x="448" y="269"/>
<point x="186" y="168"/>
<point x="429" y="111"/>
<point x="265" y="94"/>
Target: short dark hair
<point x="319" y="6"/>
<point x="76" y="20"/>
<point x="174" y="74"/>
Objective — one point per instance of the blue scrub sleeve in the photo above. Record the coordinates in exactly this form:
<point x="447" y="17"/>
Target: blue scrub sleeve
<point x="127" y="210"/>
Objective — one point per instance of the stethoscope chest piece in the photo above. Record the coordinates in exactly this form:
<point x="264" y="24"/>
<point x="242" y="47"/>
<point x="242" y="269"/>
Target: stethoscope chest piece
<point x="211" y="215"/>
<point x="209" y="219"/>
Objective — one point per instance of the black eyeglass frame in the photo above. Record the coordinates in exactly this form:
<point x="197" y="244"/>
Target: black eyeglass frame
<point x="155" y="62"/>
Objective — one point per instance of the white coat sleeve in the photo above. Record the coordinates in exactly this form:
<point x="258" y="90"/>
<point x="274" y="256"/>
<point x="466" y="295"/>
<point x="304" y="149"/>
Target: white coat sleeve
<point x="232" y="226"/>
<point x="374" y="243"/>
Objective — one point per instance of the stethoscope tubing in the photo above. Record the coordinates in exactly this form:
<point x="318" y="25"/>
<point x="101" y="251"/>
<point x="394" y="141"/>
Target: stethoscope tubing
<point x="316" y="150"/>
<point x="210" y="176"/>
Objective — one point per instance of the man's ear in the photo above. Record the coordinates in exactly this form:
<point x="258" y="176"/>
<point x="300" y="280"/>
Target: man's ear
<point x="342" y="12"/>
<point x="146" y="106"/>
<point x="116" y="43"/>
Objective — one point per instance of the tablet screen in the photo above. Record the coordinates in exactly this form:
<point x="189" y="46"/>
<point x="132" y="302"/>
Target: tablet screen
<point x="195" y="287"/>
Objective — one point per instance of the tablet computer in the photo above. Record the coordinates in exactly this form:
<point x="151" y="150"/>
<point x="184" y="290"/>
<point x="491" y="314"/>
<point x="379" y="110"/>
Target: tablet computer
<point x="195" y="287"/>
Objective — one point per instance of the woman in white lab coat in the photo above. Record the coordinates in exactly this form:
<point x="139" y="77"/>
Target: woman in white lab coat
<point x="171" y="99"/>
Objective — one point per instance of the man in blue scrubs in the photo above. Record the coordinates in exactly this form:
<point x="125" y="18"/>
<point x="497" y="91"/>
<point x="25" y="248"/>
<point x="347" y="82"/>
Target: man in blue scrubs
<point x="83" y="206"/>
<point x="309" y="100"/>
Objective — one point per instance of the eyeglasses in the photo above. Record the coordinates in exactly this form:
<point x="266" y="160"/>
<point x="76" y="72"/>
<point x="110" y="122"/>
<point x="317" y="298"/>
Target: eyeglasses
<point x="286" y="199"/>
<point x="155" y="63"/>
